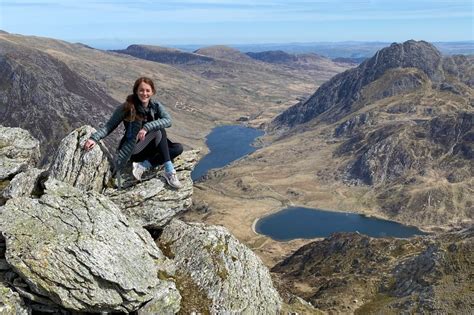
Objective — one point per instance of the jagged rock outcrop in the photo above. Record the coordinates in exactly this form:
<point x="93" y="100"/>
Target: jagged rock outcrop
<point x="68" y="249"/>
<point x="78" y="250"/>
<point x="73" y="165"/>
<point x="216" y="273"/>
<point x="349" y="272"/>
<point x="25" y="184"/>
<point x="18" y="151"/>
<point x="151" y="202"/>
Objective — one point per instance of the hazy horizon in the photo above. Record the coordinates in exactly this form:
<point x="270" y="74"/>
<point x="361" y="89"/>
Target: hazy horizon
<point x="115" y="24"/>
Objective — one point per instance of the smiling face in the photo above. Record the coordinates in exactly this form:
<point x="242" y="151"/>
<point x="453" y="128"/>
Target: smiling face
<point x="144" y="93"/>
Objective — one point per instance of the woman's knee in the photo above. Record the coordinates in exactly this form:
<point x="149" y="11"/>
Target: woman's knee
<point x="176" y="149"/>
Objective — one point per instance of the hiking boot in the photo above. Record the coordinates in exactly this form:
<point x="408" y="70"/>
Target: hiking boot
<point x="137" y="170"/>
<point x="173" y="180"/>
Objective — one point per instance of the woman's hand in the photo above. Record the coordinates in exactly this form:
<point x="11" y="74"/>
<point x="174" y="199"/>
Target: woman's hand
<point x="141" y="134"/>
<point x="89" y="144"/>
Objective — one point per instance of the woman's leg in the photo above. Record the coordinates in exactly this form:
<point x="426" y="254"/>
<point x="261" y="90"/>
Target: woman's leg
<point x="155" y="154"/>
<point x="167" y="150"/>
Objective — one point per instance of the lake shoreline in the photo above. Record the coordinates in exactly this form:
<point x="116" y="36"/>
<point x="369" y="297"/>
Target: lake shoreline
<point x="341" y="221"/>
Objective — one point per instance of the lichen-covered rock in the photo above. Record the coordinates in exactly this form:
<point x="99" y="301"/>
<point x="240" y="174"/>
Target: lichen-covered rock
<point x="11" y="303"/>
<point x="152" y="202"/>
<point x="166" y="301"/>
<point x="77" y="249"/>
<point x="73" y="165"/>
<point x="216" y="273"/>
<point x="23" y="184"/>
<point x="18" y="151"/>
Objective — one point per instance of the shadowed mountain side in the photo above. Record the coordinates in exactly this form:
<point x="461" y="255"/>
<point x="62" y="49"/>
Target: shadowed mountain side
<point x="42" y="94"/>
<point x="165" y="55"/>
<point x="350" y="272"/>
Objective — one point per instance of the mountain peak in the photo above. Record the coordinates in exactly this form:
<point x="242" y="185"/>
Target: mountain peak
<point x="410" y="54"/>
<point x="345" y="89"/>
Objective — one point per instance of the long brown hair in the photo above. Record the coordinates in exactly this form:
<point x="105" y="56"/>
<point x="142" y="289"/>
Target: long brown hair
<point x="132" y="99"/>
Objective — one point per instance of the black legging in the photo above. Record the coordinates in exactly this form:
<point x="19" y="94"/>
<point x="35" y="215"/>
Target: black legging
<point x="159" y="154"/>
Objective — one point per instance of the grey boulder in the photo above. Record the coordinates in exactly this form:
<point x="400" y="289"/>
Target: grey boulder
<point x="11" y="303"/>
<point x="152" y="202"/>
<point x="18" y="151"/>
<point x="73" y="165"/>
<point x="216" y="273"/>
<point x="24" y="184"/>
<point x="77" y="249"/>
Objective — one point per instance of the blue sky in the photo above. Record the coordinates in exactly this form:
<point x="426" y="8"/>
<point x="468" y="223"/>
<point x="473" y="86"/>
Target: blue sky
<point x="169" y="22"/>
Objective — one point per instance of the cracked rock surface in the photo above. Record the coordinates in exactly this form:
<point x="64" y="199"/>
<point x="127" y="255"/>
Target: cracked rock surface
<point x="18" y="150"/>
<point x="151" y="202"/>
<point x="78" y="250"/>
<point x="216" y="273"/>
<point x="81" y="169"/>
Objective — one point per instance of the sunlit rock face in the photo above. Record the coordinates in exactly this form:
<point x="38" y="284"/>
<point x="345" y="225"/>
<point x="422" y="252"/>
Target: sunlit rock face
<point x="217" y="273"/>
<point x="77" y="249"/>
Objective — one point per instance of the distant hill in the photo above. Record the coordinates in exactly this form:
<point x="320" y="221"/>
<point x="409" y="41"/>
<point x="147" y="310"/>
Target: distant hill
<point x="348" y="49"/>
<point x="224" y="52"/>
<point x="297" y="61"/>
<point x="165" y="55"/>
<point x="42" y="94"/>
<point x="349" y="60"/>
<point x="239" y="71"/>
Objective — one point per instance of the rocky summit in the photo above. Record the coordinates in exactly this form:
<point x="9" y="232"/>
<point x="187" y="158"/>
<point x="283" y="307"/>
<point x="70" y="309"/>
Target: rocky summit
<point x="72" y="243"/>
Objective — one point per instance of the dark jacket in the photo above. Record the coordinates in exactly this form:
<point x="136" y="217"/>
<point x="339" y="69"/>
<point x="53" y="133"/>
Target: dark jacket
<point x="160" y="119"/>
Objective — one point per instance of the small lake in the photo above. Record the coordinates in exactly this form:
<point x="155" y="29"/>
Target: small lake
<point x="226" y="144"/>
<point x="298" y="222"/>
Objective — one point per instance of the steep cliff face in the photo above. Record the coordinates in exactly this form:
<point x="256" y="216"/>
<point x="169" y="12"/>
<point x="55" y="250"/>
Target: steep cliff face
<point x="43" y="95"/>
<point x="355" y="273"/>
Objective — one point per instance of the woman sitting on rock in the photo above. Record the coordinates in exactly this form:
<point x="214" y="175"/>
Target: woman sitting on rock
<point x="144" y="142"/>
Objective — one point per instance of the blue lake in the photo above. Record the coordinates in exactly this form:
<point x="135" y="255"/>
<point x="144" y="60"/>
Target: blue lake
<point x="226" y="144"/>
<point x="229" y="143"/>
<point x="293" y="223"/>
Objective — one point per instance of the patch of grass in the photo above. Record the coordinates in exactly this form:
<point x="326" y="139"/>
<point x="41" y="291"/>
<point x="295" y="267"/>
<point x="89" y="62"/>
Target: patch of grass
<point x="375" y="306"/>
<point x="4" y="184"/>
<point x="194" y="299"/>
<point x="215" y="252"/>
